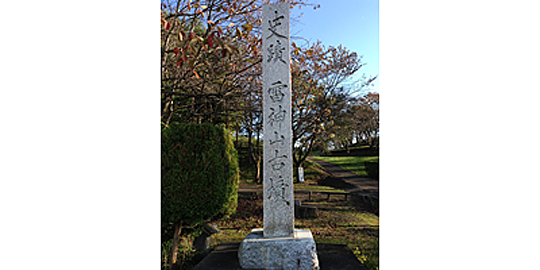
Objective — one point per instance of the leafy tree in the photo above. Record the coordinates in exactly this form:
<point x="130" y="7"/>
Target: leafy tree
<point x="211" y="73"/>
<point x="211" y="64"/>
<point x="367" y="119"/>
<point x="209" y="52"/>
<point x="359" y="121"/>
<point x="319" y="100"/>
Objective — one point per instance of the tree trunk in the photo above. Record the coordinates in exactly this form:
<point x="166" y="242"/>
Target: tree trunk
<point x="174" y="249"/>
<point x="237" y="135"/>
<point x="258" y="174"/>
<point x="303" y="155"/>
<point x="258" y="161"/>
<point x="192" y="112"/>
<point x="261" y="174"/>
<point x="258" y="139"/>
<point x="250" y="147"/>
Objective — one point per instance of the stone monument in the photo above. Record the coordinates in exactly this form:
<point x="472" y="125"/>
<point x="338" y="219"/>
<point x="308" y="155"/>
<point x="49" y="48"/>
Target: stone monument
<point x="278" y="245"/>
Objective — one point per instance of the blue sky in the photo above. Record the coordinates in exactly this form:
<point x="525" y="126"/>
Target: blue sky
<point x="352" y="23"/>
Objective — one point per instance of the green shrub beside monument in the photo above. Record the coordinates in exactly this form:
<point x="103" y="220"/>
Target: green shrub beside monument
<point x="199" y="177"/>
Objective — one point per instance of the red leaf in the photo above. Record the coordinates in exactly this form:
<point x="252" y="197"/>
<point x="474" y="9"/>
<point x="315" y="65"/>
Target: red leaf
<point x="176" y="50"/>
<point x="196" y="74"/>
<point x="167" y="25"/>
<point x="178" y="63"/>
<point x="211" y="40"/>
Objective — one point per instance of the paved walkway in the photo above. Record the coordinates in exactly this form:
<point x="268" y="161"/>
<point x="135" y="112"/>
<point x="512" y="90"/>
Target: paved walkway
<point x="360" y="185"/>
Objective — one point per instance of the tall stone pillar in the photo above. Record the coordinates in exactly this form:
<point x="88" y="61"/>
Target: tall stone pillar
<point x="277" y="158"/>
<point x="278" y="245"/>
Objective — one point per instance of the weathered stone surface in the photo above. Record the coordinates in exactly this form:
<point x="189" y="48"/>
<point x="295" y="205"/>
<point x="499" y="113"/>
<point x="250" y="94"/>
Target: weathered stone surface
<point x="287" y="253"/>
<point x="277" y="149"/>
<point x="278" y="184"/>
<point x="279" y="245"/>
<point x="202" y="243"/>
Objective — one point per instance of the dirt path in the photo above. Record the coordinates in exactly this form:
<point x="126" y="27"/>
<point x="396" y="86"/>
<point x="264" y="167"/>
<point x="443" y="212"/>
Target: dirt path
<point x="357" y="184"/>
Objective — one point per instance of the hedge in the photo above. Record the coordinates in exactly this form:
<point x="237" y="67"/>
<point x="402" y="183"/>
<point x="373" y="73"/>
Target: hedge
<point x="199" y="174"/>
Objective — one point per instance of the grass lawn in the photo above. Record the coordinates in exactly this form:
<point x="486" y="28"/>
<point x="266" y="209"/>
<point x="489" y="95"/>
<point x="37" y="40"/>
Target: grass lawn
<point x="354" y="164"/>
<point x="338" y="222"/>
<point x="312" y="187"/>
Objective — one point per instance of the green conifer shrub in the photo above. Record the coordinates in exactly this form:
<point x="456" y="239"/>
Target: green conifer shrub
<point x="199" y="176"/>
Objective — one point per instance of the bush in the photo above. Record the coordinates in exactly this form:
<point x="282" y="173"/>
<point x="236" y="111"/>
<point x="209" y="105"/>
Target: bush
<point x="199" y="173"/>
<point x="199" y="176"/>
<point x="372" y="169"/>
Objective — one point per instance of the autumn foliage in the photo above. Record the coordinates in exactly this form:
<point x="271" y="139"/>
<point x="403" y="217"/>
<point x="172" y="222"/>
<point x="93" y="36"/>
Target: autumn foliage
<point x="210" y="59"/>
<point x="211" y="72"/>
<point x="322" y="106"/>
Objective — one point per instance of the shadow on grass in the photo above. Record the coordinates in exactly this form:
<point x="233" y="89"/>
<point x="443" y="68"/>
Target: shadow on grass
<point x="335" y="183"/>
<point x="367" y="230"/>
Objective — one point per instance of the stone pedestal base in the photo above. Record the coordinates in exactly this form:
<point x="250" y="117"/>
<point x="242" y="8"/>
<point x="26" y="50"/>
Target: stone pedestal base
<point x="298" y="252"/>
